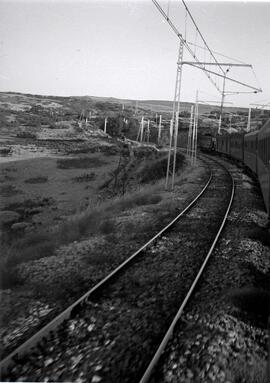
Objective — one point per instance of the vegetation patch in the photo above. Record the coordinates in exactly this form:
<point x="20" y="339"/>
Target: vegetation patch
<point x="86" y="177"/>
<point x="36" y="180"/>
<point x="32" y="247"/>
<point x="262" y="235"/>
<point x="29" y="204"/>
<point x="79" y="163"/>
<point x="26" y="135"/>
<point x="95" y="220"/>
<point x="6" y="178"/>
<point x="10" y="169"/>
<point x="157" y="169"/>
<point x="9" y="190"/>
<point x="100" y="219"/>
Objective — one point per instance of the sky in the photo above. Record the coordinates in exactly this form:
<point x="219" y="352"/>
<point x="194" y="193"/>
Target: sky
<point x="125" y="49"/>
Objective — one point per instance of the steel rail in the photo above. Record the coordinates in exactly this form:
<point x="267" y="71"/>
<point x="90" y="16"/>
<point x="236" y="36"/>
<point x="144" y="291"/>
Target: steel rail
<point x="23" y="349"/>
<point x="148" y="372"/>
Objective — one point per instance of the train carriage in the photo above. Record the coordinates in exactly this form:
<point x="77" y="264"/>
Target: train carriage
<point x="223" y="144"/>
<point x="254" y="150"/>
<point x="206" y="142"/>
<point x="250" y="150"/>
<point x="237" y="146"/>
<point x="263" y="162"/>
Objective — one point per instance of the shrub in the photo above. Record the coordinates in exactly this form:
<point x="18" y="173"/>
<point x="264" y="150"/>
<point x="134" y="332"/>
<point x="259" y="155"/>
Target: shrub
<point x="157" y="169"/>
<point x="27" y="134"/>
<point x="262" y="235"/>
<point x="86" y="177"/>
<point x="98" y="219"/>
<point x="79" y="163"/>
<point x="252" y="300"/>
<point x="30" y="253"/>
<point x="36" y="180"/>
<point x="8" y="275"/>
<point x="107" y="227"/>
<point x="9" y="190"/>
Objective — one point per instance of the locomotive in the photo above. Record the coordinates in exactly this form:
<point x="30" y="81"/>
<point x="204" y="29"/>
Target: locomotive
<point x="253" y="149"/>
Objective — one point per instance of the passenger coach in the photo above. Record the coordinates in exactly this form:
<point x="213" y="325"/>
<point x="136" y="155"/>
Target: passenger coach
<point x="263" y="162"/>
<point x="254" y="150"/>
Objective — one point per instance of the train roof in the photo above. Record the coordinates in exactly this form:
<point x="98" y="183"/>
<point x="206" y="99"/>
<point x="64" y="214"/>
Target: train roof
<point x="265" y="130"/>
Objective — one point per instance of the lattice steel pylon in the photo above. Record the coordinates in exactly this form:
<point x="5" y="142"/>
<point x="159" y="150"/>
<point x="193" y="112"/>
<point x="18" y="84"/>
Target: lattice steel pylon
<point x="175" y="117"/>
<point x="190" y="130"/>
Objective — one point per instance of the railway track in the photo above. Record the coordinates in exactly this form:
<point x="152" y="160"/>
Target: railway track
<point x="155" y="360"/>
<point x="99" y="336"/>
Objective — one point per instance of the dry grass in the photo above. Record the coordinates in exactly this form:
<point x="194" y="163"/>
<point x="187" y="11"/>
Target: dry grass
<point x="32" y="247"/>
<point x="98" y="219"/>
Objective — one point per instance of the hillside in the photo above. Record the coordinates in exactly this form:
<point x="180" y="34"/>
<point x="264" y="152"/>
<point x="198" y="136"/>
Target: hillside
<point x="72" y="117"/>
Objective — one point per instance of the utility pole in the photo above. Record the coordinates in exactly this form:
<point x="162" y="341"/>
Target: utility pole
<point x="159" y="128"/>
<point x="178" y="91"/>
<point x="190" y="131"/>
<point x="249" y="113"/>
<point x="249" y="119"/>
<point x="136" y="107"/>
<point x="139" y="131"/>
<point x="175" y="114"/>
<point x="222" y="101"/>
<point x="169" y="155"/>
<point x="194" y="131"/>
<point x="142" y="123"/>
<point x="230" y="118"/>
<point x="148" y="130"/>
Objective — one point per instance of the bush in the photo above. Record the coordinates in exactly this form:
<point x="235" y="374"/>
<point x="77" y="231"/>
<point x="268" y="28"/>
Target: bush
<point x="107" y="227"/>
<point x="30" y="253"/>
<point x="156" y="170"/>
<point x="262" y="235"/>
<point x="100" y="218"/>
<point x="96" y="220"/>
<point x="81" y="163"/>
<point x="8" y="276"/>
<point x="26" y="135"/>
<point x="86" y="177"/>
<point x="36" y="180"/>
